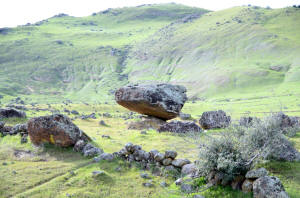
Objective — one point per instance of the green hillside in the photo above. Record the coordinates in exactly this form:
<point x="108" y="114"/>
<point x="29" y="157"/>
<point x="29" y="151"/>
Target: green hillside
<point x="244" y="49"/>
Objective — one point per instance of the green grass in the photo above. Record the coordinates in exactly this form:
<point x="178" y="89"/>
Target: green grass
<point x="48" y="172"/>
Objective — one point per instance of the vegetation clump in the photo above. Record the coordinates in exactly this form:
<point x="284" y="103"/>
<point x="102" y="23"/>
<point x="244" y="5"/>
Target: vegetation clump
<point x="234" y="151"/>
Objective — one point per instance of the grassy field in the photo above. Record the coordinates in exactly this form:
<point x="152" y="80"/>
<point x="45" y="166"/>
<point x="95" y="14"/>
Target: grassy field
<point x="54" y="172"/>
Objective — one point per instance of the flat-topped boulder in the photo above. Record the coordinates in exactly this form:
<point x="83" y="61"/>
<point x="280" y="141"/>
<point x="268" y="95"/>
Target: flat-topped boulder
<point x="163" y="101"/>
<point x="55" y="129"/>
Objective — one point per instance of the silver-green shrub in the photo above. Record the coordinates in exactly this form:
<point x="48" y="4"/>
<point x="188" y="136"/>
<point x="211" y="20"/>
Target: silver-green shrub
<point x="232" y="152"/>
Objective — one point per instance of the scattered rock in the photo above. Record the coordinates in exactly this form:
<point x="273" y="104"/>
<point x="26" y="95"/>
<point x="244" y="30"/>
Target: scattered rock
<point x="160" y="100"/>
<point x="143" y="132"/>
<point x="18" y="129"/>
<point x="171" y="154"/>
<point x="179" y="181"/>
<point x="55" y="129"/>
<point x="106" y="136"/>
<point x="214" y="120"/>
<point x="102" y="123"/>
<point x="268" y="187"/>
<point x="167" y="162"/>
<point x="185" y="116"/>
<point x="74" y="112"/>
<point x="163" y="184"/>
<point x="24" y="139"/>
<point x="106" y="156"/>
<point x="257" y="173"/>
<point x="180" y="162"/>
<point x="247" y="186"/>
<point x="149" y="185"/>
<point x="276" y="68"/>
<point x="198" y="196"/>
<point x="186" y="188"/>
<point x="180" y="127"/>
<point x="159" y="157"/>
<point x="10" y="113"/>
<point x="191" y="170"/>
<point x="147" y="123"/>
<point x="145" y="176"/>
<point x="97" y="173"/>
<point x="89" y="150"/>
<point x="79" y="145"/>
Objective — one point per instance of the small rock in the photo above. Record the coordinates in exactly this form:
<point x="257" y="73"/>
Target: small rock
<point x="179" y="181"/>
<point x="90" y="150"/>
<point x="257" y="173"/>
<point x="186" y="188"/>
<point x="145" y="176"/>
<point x="190" y="170"/>
<point x="198" y="196"/>
<point x="78" y="147"/>
<point x="171" y="154"/>
<point x="180" y="162"/>
<point x="4" y="163"/>
<point x="247" y="186"/>
<point x="167" y="161"/>
<point x="159" y="157"/>
<point x="24" y="139"/>
<point x="185" y="116"/>
<point x="102" y="123"/>
<point x="143" y="132"/>
<point x="106" y="136"/>
<point x="163" y="184"/>
<point x="98" y="173"/>
<point x="149" y="185"/>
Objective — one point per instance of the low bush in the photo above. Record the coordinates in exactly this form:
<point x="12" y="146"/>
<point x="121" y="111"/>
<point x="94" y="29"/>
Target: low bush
<point x="235" y="150"/>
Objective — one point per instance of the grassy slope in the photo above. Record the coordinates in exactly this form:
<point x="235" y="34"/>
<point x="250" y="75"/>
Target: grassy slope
<point x="78" y="57"/>
<point x="224" y="52"/>
<point x="228" y="50"/>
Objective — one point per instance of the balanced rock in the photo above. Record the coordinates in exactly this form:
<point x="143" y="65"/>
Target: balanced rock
<point x="10" y="113"/>
<point x="180" y="127"/>
<point x="55" y="129"/>
<point x="160" y="100"/>
<point x="214" y="120"/>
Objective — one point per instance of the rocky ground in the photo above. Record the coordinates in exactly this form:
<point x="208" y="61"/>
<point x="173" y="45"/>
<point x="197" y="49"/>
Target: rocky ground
<point x="103" y="168"/>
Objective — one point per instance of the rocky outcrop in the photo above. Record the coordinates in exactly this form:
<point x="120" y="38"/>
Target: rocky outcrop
<point x="180" y="127"/>
<point x="163" y="101"/>
<point x="268" y="187"/>
<point x="55" y="129"/>
<point x="10" y="113"/>
<point x="214" y="120"/>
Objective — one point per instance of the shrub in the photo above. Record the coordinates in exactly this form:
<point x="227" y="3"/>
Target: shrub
<point x="234" y="151"/>
<point x="223" y="155"/>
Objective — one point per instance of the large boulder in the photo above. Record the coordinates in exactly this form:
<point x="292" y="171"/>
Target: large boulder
<point x="160" y="100"/>
<point x="180" y="127"/>
<point x="214" y="120"/>
<point x="55" y="129"/>
<point x="10" y="112"/>
<point x="268" y="187"/>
